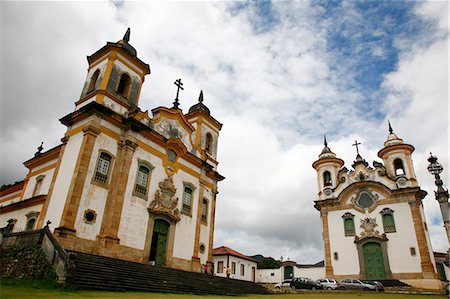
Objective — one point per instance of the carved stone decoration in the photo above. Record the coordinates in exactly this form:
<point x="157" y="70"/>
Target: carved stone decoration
<point x="368" y="225"/>
<point x="327" y="191"/>
<point x="164" y="202"/>
<point x="401" y="182"/>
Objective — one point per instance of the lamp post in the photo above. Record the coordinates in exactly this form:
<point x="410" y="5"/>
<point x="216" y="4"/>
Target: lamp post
<point x="435" y="168"/>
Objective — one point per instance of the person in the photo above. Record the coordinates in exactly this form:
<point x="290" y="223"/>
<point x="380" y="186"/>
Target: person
<point x="205" y="269"/>
<point x="228" y="272"/>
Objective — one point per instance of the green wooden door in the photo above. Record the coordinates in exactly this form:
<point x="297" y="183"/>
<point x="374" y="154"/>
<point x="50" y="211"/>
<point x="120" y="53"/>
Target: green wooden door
<point x="288" y="272"/>
<point x="373" y="259"/>
<point x="160" y="232"/>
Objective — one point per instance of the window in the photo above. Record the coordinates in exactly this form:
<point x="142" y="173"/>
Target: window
<point x="31" y="220"/>
<point x="171" y="155"/>
<point x="187" y="200"/>
<point x="102" y="169"/>
<point x="412" y="250"/>
<point x="124" y="85"/>
<point x="204" y="210"/>
<point x="142" y="177"/>
<point x="365" y="201"/>
<point x="336" y="256"/>
<point x="37" y="187"/>
<point x="208" y="143"/>
<point x="233" y="268"/>
<point x="398" y="166"/>
<point x="89" y="216"/>
<point x="327" y="179"/>
<point x="349" y="224"/>
<point x="220" y="267"/>
<point x="93" y="80"/>
<point x="387" y="216"/>
<point x="202" y="248"/>
<point x="242" y="269"/>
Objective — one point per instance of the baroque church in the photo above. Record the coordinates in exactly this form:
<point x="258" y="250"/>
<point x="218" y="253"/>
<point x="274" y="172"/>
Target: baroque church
<point x="123" y="183"/>
<point x="373" y="219"/>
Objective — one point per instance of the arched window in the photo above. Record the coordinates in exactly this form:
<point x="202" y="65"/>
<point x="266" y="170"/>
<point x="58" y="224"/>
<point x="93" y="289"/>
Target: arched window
<point x="187" y="200"/>
<point x="142" y="178"/>
<point x="102" y="169"/>
<point x="204" y="210"/>
<point x="93" y="80"/>
<point x="398" y="166"/>
<point x="208" y="143"/>
<point x="349" y="224"/>
<point x="31" y="220"/>
<point x="327" y="179"/>
<point x="387" y="216"/>
<point x="38" y="185"/>
<point x="124" y="85"/>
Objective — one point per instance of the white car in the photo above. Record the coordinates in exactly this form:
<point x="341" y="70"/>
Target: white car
<point x="328" y="283"/>
<point x="285" y="284"/>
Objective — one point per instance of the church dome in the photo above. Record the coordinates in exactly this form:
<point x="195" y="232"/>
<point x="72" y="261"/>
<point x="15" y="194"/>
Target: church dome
<point x="326" y="152"/>
<point x="200" y="106"/>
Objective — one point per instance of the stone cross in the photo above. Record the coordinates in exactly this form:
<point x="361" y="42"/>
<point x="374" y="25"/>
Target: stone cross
<point x="179" y="86"/>
<point x="356" y="144"/>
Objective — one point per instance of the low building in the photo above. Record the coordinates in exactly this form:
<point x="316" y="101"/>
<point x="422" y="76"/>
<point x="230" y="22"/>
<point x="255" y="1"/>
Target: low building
<point x="289" y="270"/>
<point x="238" y="265"/>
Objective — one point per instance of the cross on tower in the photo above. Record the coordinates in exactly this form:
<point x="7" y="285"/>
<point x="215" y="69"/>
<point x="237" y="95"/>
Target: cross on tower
<point x="356" y="144"/>
<point x="179" y="86"/>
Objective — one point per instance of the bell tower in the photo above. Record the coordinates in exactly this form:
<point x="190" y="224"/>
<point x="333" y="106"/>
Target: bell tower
<point x="397" y="159"/>
<point x="115" y="76"/>
<point x="327" y="167"/>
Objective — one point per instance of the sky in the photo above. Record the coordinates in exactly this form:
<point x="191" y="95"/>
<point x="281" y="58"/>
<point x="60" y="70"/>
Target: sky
<point x="278" y="75"/>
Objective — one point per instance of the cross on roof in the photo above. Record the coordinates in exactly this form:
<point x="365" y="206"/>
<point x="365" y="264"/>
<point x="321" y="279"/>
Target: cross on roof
<point x="356" y="144"/>
<point x="179" y="86"/>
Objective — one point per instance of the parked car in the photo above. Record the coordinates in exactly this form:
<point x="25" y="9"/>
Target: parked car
<point x="285" y="284"/>
<point x="378" y="285"/>
<point x="305" y="283"/>
<point x="328" y="283"/>
<point x="356" y="284"/>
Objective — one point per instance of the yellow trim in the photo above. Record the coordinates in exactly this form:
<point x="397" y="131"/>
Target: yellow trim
<point x="203" y="120"/>
<point x="105" y="79"/>
<point x="175" y="115"/>
<point x="43" y="169"/>
<point x="11" y="197"/>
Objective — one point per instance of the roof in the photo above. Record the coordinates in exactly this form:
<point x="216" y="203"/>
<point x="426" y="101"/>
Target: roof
<point x="223" y="250"/>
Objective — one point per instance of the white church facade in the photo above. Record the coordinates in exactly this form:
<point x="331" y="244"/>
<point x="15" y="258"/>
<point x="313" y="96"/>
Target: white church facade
<point x="124" y="183"/>
<point x="373" y="220"/>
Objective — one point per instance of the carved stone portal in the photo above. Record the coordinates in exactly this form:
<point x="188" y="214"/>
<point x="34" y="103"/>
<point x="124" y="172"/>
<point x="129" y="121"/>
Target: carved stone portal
<point x="164" y="202"/>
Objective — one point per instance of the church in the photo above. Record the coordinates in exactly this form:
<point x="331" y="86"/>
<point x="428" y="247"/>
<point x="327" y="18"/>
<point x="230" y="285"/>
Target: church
<point x="373" y="220"/>
<point x="124" y="183"/>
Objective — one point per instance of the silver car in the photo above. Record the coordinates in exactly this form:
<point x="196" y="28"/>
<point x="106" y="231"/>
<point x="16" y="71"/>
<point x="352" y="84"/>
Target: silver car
<point x="282" y="285"/>
<point x="328" y="283"/>
<point x="356" y="284"/>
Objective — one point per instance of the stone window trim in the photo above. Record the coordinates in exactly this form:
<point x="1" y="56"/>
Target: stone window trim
<point x="327" y="181"/>
<point x="38" y="185"/>
<point x="387" y="217"/>
<point x="98" y="178"/>
<point x="31" y="220"/>
<point x="205" y="205"/>
<point x="93" y="81"/>
<point x="124" y="83"/>
<point x="399" y="168"/>
<point x="138" y="190"/>
<point x="185" y="209"/>
<point x="349" y="224"/>
<point x="89" y="216"/>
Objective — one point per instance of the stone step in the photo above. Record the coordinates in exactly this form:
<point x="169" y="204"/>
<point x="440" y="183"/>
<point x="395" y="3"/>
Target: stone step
<point x="97" y="272"/>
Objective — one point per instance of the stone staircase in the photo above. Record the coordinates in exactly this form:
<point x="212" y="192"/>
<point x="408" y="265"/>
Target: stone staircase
<point x="394" y="283"/>
<point x="88" y="271"/>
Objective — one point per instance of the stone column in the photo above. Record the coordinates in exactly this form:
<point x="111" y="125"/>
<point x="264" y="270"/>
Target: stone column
<point x="326" y="242"/>
<point x="426" y="264"/>
<point x="43" y="213"/>
<point x="90" y="132"/>
<point x="211" y="228"/>
<point x="116" y="195"/>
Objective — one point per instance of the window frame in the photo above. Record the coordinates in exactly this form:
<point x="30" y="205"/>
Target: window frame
<point x="31" y="216"/>
<point x="398" y="166"/>
<point x="326" y="182"/>
<point x="136" y="185"/>
<point x="388" y="228"/>
<point x="346" y="218"/>
<point x="219" y="266"/>
<point x="242" y="272"/>
<point x="38" y="185"/>
<point x="126" y="89"/>
<point x="209" y="143"/>
<point x="233" y="267"/>
<point x="92" y="83"/>
<point x="187" y="210"/>
<point x="96" y="174"/>
<point x="204" y="217"/>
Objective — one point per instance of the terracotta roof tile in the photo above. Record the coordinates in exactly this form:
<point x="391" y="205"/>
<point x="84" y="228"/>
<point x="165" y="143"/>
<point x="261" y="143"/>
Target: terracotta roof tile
<point x="223" y="250"/>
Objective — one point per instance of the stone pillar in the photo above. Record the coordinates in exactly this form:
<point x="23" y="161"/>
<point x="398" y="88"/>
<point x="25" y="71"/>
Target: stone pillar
<point x="116" y="195"/>
<point x="69" y="215"/>
<point x="211" y="229"/>
<point x="196" y="264"/>
<point x="326" y="243"/>
<point x="426" y="264"/>
<point x="43" y="213"/>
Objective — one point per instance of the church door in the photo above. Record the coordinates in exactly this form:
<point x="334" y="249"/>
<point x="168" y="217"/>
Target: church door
<point x="288" y="272"/>
<point x="159" y="242"/>
<point x="373" y="260"/>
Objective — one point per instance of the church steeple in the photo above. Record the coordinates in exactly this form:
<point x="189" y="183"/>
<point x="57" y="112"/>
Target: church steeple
<point x="327" y="167"/>
<point x="115" y="76"/>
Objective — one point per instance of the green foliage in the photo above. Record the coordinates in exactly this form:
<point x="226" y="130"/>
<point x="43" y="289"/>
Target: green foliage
<point x="269" y="263"/>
